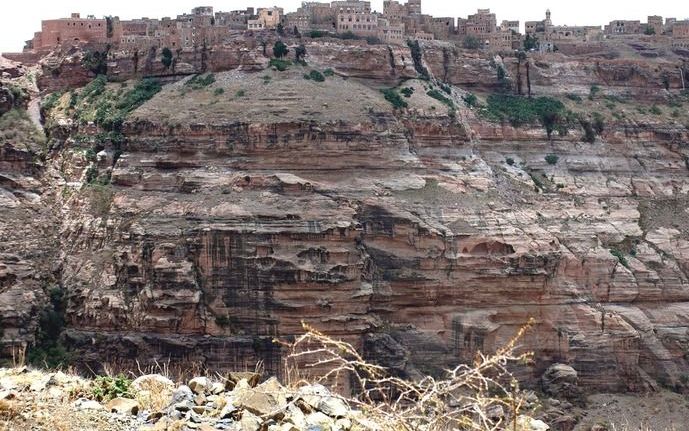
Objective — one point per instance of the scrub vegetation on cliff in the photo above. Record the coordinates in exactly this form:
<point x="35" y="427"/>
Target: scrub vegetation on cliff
<point x="107" y="105"/>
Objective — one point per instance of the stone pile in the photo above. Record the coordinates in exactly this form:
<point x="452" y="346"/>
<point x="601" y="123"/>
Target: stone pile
<point x="238" y="401"/>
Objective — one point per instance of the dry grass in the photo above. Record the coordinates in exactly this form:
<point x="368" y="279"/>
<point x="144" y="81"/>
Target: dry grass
<point x="460" y="400"/>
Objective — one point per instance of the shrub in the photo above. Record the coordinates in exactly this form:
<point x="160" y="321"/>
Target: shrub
<point x="530" y="42"/>
<point x="200" y="81"/>
<point x="394" y="98"/>
<point x="300" y="53"/>
<point x="594" y="91"/>
<point x="348" y="35"/>
<point x="598" y="123"/>
<point x="407" y="91"/>
<point x="166" y="58"/>
<point x="218" y="91"/>
<point x="316" y="76"/>
<point x="91" y="91"/>
<point x="589" y="132"/>
<point x="240" y="93"/>
<point x="471" y="42"/>
<point x="620" y="257"/>
<point x="280" y="49"/>
<point x="144" y="90"/>
<point x="50" y="101"/>
<point x="470" y="99"/>
<point x="315" y="34"/>
<point x="280" y="65"/>
<point x="552" y="159"/>
<point x="655" y="110"/>
<point x="519" y="111"/>
<point x="573" y="97"/>
<point x="329" y="72"/>
<point x="106" y="388"/>
<point x="457" y="399"/>
<point x="417" y="57"/>
<point x="48" y="350"/>
<point x="437" y="95"/>
<point x="373" y="40"/>
<point x="96" y="62"/>
<point x="509" y="161"/>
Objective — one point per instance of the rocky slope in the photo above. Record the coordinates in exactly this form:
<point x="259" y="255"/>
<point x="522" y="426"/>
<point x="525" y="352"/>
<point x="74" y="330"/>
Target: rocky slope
<point x="235" y="211"/>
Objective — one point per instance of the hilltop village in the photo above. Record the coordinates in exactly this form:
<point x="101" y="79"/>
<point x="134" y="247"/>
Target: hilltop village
<point x="353" y="19"/>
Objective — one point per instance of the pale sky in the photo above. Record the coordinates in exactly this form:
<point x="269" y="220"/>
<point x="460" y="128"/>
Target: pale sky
<point x="21" y="18"/>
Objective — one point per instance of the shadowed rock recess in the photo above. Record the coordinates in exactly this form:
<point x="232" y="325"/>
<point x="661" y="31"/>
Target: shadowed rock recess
<point x="222" y="219"/>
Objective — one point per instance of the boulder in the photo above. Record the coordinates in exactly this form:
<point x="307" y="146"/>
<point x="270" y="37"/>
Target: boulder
<point x="263" y="400"/>
<point x="249" y="422"/>
<point x="217" y="388"/>
<point x="198" y="385"/>
<point x="182" y="395"/>
<point x="233" y="377"/>
<point x="123" y="406"/>
<point x="561" y="381"/>
<point x="333" y="407"/>
<point x="527" y="423"/>
<point x="84" y="404"/>
<point x="318" y="421"/>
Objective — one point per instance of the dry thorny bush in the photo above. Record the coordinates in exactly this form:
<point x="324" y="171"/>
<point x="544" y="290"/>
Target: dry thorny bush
<point x="461" y="400"/>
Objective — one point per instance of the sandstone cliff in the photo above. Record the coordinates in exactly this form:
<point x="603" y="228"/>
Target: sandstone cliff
<point x="235" y="211"/>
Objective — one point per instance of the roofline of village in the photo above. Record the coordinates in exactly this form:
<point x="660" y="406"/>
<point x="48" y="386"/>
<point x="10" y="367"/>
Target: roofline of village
<point x="395" y="25"/>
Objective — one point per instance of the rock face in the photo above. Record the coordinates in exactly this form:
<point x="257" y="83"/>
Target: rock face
<point x="27" y="236"/>
<point x="408" y="234"/>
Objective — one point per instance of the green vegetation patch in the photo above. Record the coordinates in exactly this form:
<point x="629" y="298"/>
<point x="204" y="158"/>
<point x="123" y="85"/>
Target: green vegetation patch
<point x="279" y="64"/>
<point x="417" y="57"/>
<point x="199" y="82"/>
<point x="16" y="127"/>
<point x="620" y="257"/>
<point x="437" y="95"/>
<point x="520" y="111"/>
<point x="106" y="388"/>
<point x="315" y="76"/>
<point x="394" y="98"/>
<point x="108" y="108"/>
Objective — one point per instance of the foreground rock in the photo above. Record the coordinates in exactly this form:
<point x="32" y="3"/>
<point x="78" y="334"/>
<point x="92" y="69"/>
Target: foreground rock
<point x="267" y="406"/>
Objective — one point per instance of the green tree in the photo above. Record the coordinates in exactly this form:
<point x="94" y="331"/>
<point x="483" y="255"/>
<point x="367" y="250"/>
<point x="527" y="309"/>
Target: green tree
<point x="300" y="52"/>
<point x="280" y="49"/>
<point x="281" y="29"/>
<point x="296" y="32"/>
<point x="167" y="58"/>
<point x="530" y="42"/>
<point x="471" y="42"/>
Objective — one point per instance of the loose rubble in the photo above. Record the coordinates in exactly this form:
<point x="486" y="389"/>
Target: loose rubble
<point x="235" y="402"/>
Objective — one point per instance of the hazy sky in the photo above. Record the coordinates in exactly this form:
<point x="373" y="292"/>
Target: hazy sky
<point x="21" y="18"/>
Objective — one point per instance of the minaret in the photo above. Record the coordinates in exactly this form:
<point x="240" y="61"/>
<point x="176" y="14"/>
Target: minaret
<point x="548" y="21"/>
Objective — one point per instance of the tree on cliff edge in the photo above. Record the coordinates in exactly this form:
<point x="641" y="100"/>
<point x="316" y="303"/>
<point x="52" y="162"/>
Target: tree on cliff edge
<point x="280" y="49"/>
<point x="167" y="58"/>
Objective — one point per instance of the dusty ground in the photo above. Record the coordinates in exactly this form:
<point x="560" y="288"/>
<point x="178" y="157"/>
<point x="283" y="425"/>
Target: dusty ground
<point x="664" y="411"/>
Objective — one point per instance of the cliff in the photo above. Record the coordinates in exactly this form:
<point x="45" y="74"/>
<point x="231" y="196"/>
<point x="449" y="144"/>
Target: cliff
<point x="225" y="214"/>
